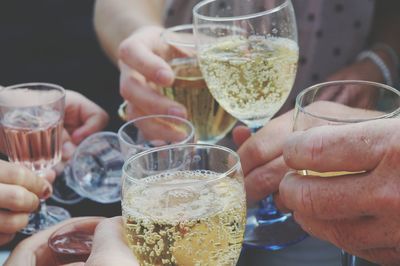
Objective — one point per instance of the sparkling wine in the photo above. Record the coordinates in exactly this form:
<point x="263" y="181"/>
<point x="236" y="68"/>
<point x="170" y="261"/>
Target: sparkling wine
<point x="210" y="120"/>
<point x="178" y="225"/>
<point x="33" y="137"/>
<point x="250" y="77"/>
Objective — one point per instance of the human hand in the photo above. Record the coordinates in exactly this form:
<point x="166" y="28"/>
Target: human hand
<point x="356" y="212"/>
<point x="143" y="66"/>
<point x="261" y="157"/>
<point x="360" y="97"/>
<point x="20" y="190"/>
<point x="34" y="251"/>
<point x="109" y="247"/>
<point x="82" y="118"/>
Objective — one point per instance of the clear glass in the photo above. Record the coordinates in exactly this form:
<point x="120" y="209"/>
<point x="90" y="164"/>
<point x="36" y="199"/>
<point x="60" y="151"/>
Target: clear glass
<point x="73" y="242"/>
<point x="210" y="120"/>
<point x="31" y="117"/>
<point x="184" y="205"/>
<point x="248" y="53"/>
<point x="340" y="103"/>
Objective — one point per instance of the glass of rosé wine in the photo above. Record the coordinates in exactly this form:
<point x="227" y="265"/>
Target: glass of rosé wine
<point x="31" y="117"/>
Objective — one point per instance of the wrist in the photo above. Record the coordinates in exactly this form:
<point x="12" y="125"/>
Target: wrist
<point x="381" y="63"/>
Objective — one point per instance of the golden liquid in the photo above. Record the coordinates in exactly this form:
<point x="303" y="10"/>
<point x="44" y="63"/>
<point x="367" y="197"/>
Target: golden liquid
<point x="210" y="120"/>
<point x="251" y="78"/>
<point x="166" y="226"/>
<point x="327" y="174"/>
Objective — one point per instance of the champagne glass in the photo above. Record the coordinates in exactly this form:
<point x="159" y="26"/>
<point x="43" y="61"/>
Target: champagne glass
<point x="344" y="102"/>
<point x="96" y="168"/>
<point x="184" y="205"/>
<point x="31" y="116"/>
<point x="248" y="55"/>
<point x="210" y="120"/>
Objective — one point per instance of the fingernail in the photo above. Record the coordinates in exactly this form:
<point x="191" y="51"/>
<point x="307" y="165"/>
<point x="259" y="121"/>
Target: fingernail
<point x="177" y="111"/>
<point x="164" y="76"/>
<point x="47" y="191"/>
<point x="68" y="149"/>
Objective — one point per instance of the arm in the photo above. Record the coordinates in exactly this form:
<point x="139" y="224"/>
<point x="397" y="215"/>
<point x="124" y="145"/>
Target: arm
<point x="115" y="20"/>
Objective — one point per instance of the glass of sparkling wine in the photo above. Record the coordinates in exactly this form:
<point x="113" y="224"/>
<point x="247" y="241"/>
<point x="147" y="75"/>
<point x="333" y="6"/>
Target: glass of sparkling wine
<point x="184" y="205"/>
<point x="248" y="55"/>
<point x="210" y="120"/>
<point x="31" y="116"/>
<point x="95" y="171"/>
<point x="340" y="103"/>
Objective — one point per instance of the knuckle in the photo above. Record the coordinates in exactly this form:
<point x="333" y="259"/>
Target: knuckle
<point x="306" y="201"/>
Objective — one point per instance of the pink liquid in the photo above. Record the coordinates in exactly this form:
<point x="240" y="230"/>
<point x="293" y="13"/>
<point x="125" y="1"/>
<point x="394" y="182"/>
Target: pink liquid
<point x="33" y="137"/>
<point x="72" y="246"/>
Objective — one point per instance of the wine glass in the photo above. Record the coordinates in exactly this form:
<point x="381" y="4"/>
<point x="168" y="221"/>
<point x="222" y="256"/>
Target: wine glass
<point x="248" y="55"/>
<point x="31" y="116"/>
<point x="184" y="205"/>
<point x="344" y="102"/>
<point x="210" y="120"/>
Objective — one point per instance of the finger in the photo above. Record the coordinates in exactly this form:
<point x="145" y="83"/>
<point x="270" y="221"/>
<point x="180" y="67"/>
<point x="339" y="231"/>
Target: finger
<point x="68" y="148"/>
<point x="12" y="222"/>
<point x="329" y="197"/>
<point x="148" y="99"/>
<point x="17" y="199"/>
<point x="266" y="144"/>
<point x="355" y="147"/>
<point x="142" y="58"/>
<point x="5" y="238"/>
<point x="12" y="174"/>
<point x="92" y="124"/>
<point x="352" y="234"/>
<point x="108" y="244"/>
<point x="264" y="180"/>
<point x="240" y="134"/>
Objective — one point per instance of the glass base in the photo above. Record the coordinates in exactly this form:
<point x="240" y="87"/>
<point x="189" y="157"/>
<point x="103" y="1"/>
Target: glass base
<point x="45" y="218"/>
<point x="272" y="234"/>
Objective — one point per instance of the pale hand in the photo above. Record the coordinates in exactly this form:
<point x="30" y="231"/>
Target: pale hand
<point x="358" y="212"/>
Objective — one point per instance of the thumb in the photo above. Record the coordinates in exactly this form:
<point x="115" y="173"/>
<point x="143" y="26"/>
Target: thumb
<point x="109" y="247"/>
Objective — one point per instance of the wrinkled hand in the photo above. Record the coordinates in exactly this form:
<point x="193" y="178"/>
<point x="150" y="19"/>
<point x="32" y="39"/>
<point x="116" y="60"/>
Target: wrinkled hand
<point x="20" y="190"/>
<point x="82" y="118"/>
<point x="261" y="157"/>
<point x="34" y="251"/>
<point x="143" y="67"/>
<point x="109" y="247"/>
<point x="357" y="212"/>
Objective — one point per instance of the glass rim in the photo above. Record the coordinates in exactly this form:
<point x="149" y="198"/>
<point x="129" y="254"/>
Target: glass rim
<point x="187" y="122"/>
<point x="32" y="84"/>
<point x="178" y="28"/>
<point x="302" y="109"/>
<point x="196" y="13"/>
<point x="219" y="176"/>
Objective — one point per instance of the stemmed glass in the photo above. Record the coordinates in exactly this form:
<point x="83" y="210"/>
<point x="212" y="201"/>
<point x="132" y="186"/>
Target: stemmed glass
<point x="248" y="55"/>
<point x="96" y="168"/>
<point x="210" y="120"/>
<point x="184" y="205"/>
<point x="344" y="102"/>
<point x="31" y="116"/>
